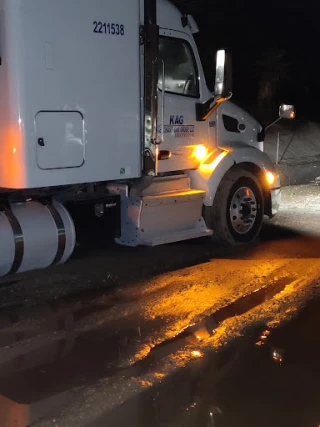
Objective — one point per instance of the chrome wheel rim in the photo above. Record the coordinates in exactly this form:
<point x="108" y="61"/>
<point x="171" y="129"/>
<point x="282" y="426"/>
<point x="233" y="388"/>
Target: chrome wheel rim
<point x="243" y="210"/>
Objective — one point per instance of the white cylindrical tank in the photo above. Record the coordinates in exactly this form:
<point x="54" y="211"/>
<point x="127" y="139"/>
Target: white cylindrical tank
<point x="34" y="235"/>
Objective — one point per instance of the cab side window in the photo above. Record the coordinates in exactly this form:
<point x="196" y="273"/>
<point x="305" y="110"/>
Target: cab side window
<point x="180" y="69"/>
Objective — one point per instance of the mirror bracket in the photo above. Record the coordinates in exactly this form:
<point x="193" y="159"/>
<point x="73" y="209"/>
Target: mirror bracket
<point x="204" y="111"/>
<point x="272" y="123"/>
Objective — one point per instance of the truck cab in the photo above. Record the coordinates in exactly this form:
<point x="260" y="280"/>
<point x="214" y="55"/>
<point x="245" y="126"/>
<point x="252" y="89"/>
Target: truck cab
<point x="106" y="118"/>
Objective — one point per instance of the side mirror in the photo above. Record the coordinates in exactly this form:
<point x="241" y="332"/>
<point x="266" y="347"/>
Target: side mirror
<point x="223" y="81"/>
<point x="222" y="88"/>
<point x="287" y="111"/>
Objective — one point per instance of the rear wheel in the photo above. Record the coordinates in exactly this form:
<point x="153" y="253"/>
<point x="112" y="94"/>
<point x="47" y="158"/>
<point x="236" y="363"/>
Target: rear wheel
<point x="237" y="211"/>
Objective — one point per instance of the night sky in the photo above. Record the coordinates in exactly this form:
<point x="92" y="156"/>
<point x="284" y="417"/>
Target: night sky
<point x="275" y="50"/>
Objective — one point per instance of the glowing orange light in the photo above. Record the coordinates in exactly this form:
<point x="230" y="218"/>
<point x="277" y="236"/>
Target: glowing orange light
<point x="196" y="353"/>
<point x="12" y="162"/>
<point x="200" y="152"/>
<point x="209" y="168"/>
<point x="270" y="178"/>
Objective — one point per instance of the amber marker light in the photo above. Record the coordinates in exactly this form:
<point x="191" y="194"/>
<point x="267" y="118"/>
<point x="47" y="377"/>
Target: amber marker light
<point x="200" y="152"/>
<point x="270" y="178"/>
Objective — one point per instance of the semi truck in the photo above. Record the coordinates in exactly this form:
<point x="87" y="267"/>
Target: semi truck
<point x="106" y="122"/>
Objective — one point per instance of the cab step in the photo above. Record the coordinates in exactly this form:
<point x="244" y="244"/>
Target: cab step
<point x="168" y="211"/>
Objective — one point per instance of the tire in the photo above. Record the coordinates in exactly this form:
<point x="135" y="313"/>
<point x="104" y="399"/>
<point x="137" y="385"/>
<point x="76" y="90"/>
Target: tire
<point x="237" y="211"/>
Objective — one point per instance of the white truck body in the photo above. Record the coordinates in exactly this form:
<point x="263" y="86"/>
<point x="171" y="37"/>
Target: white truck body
<point x="81" y="92"/>
<point x="57" y="82"/>
<point x="72" y="112"/>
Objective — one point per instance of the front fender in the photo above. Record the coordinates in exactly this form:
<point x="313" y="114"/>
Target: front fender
<point x="209" y="176"/>
<point x="248" y="154"/>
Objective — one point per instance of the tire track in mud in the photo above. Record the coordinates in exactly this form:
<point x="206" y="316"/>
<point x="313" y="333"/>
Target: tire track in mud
<point x="190" y="336"/>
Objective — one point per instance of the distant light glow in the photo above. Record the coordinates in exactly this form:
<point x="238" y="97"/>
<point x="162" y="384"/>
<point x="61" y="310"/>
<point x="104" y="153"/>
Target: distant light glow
<point x="196" y="353"/>
<point x="277" y="356"/>
<point x="14" y="150"/>
<point x="270" y="178"/>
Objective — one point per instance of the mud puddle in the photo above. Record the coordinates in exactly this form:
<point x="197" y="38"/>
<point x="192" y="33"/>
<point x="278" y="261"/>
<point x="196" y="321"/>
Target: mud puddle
<point x="81" y="358"/>
<point x="270" y="378"/>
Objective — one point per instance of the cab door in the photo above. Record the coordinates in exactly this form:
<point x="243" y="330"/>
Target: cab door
<point x="179" y="92"/>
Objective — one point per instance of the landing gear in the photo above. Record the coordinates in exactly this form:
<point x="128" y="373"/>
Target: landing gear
<point x="237" y="212"/>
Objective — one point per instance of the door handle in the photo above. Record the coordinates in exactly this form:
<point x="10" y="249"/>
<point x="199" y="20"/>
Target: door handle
<point x="41" y="142"/>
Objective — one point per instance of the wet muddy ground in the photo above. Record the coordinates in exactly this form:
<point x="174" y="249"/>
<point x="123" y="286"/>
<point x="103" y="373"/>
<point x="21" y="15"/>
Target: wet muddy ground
<point x="169" y="336"/>
<point x="267" y="378"/>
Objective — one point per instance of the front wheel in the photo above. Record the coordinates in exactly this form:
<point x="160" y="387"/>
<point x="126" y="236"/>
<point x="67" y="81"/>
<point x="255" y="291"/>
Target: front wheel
<point x="237" y="211"/>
